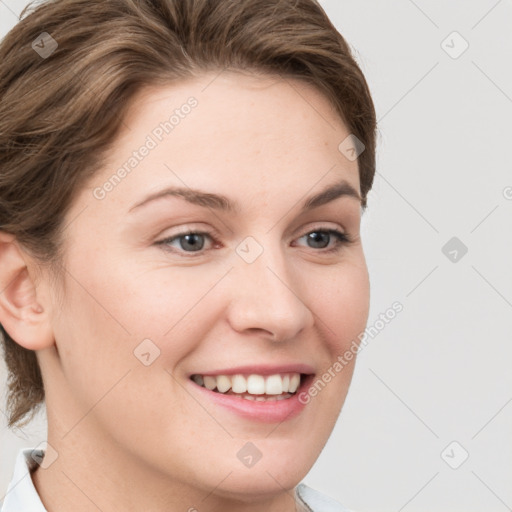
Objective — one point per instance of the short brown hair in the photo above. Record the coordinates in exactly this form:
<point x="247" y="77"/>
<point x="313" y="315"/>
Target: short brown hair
<point x="59" y="113"/>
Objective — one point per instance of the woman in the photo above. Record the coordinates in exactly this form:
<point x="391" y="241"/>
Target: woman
<point x="181" y="189"/>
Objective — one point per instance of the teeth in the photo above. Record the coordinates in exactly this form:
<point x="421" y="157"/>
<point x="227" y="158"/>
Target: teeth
<point x="274" y="385"/>
<point x="294" y="383"/>
<point x="239" y="384"/>
<point x="277" y="386"/>
<point x="286" y="383"/>
<point x="223" y="383"/>
<point x="198" y="379"/>
<point x="256" y="385"/>
<point x="210" y="382"/>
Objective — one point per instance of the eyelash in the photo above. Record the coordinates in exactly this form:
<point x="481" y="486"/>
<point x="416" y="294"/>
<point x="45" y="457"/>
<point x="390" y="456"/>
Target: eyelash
<point x="342" y="239"/>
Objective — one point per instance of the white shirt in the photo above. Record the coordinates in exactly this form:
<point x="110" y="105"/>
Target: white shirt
<point x="22" y="496"/>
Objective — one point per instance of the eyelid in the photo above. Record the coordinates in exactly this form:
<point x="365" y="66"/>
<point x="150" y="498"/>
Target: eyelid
<point x="322" y="226"/>
<point x="187" y="229"/>
<point x="342" y="239"/>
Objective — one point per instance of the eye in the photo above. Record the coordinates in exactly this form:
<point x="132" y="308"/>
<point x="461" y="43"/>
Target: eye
<point x="190" y="241"/>
<point x="194" y="241"/>
<point x="320" y="239"/>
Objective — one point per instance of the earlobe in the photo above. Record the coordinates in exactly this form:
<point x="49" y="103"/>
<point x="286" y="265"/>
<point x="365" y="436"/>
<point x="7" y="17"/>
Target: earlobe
<point x="22" y="313"/>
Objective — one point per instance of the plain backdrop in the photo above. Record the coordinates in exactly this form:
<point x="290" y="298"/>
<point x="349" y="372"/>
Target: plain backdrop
<point x="427" y="425"/>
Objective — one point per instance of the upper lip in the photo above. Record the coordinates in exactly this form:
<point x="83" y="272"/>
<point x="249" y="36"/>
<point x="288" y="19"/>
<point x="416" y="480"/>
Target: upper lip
<point x="261" y="369"/>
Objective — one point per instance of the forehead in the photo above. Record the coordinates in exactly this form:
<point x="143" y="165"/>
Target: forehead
<point x="228" y="132"/>
<point x="234" y="88"/>
<point x="234" y="105"/>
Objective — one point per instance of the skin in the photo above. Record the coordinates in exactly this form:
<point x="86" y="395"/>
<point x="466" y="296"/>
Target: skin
<point x="134" y="437"/>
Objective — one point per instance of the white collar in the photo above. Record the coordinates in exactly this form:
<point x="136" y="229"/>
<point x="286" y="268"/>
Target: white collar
<point x="315" y="501"/>
<point x="22" y="495"/>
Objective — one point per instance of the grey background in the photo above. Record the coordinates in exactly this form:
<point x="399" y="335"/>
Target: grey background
<point x="440" y="371"/>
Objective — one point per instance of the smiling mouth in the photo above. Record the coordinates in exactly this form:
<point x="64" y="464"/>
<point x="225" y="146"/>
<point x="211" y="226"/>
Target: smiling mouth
<point x="260" y="388"/>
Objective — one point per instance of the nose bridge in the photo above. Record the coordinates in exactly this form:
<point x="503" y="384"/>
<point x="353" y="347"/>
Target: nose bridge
<point x="265" y="295"/>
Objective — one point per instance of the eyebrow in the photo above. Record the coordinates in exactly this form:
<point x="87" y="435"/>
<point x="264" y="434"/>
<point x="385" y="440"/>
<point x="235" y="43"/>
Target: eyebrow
<point x="223" y="203"/>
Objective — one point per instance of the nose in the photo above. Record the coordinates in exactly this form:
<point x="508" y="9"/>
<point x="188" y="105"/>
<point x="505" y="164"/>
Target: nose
<point x="267" y="299"/>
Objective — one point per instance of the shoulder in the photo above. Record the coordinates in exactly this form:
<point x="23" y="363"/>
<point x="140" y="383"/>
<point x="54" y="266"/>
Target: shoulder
<point x="315" y="501"/>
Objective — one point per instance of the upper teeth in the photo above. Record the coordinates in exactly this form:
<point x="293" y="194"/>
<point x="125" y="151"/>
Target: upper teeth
<point x="252" y="384"/>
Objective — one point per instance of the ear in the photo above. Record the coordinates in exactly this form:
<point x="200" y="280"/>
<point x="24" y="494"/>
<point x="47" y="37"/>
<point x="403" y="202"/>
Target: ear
<point x="22" y="315"/>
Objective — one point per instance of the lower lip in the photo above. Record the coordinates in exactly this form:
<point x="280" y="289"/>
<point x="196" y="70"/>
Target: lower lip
<point x="274" y="411"/>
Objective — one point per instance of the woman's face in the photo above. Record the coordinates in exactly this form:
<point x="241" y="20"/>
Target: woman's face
<point x="262" y="288"/>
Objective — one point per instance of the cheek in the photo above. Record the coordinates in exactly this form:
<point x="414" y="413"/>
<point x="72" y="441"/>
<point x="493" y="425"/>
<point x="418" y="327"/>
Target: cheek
<point x="155" y="297"/>
<point x="103" y="334"/>
<point x="341" y="303"/>
<point x="95" y="346"/>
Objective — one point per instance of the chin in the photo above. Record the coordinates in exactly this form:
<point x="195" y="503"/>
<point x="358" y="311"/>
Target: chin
<point x="275" y="471"/>
<point x="256" y="485"/>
